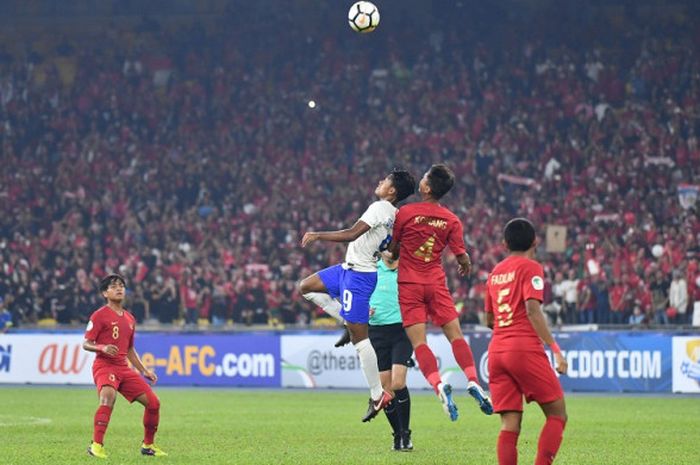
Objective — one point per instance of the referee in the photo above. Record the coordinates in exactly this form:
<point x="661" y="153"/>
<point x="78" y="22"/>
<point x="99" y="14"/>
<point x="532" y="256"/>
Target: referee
<point x="393" y="350"/>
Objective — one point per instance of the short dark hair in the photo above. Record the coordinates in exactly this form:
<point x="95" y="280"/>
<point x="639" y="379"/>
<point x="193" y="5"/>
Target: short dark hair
<point x="404" y="183"/>
<point x="519" y="235"/>
<point x="109" y="280"/>
<point x="440" y="179"/>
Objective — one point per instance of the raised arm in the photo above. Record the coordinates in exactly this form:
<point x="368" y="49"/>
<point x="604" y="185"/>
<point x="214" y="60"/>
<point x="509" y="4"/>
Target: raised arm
<point x="343" y="235"/>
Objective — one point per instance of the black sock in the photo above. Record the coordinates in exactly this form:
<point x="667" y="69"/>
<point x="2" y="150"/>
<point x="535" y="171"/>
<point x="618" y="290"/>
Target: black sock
<point x="392" y="415"/>
<point x="403" y="407"/>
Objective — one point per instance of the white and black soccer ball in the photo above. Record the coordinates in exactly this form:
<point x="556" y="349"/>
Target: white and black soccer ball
<point x="363" y="17"/>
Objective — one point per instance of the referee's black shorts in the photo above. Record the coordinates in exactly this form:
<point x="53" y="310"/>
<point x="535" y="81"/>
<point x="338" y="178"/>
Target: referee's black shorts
<point x="391" y="345"/>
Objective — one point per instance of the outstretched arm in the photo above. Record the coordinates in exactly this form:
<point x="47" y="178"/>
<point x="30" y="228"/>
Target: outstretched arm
<point x="344" y="235"/>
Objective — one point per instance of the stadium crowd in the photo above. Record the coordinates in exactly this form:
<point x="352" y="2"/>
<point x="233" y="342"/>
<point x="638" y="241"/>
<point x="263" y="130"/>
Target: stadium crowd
<point x="186" y="158"/>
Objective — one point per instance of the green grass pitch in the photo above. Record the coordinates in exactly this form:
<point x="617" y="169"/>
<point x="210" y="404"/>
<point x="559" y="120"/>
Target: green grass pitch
<point x="218" y="426"/>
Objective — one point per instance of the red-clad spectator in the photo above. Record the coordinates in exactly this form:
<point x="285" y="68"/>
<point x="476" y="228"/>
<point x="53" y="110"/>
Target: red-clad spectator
<point x="618" y="298"/>
<point x="171" y="159"/>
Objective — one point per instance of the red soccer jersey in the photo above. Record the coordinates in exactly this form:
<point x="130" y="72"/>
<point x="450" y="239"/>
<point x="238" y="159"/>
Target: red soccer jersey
<point x="107" y="327"/>
<point x="512" y="282"/>
<point x="423" y="230"/>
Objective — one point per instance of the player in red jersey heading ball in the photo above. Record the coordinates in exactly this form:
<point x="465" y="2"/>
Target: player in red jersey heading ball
<point x="421" y="231"/>
<point x="110" y="333"/>
<point x="518" y="365"/>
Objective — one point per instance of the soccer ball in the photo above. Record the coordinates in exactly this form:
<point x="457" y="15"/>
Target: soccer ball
<point x="363" y="17"/>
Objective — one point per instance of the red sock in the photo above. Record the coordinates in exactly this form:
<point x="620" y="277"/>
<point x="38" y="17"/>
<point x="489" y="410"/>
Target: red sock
<point x="465" y="359"/>
<point x="550" y="440"/>
<point x="507" y="448"/>
<point x="151" y="417"/>
<point x="428" y="365"/>
<point x="101" y="422"/>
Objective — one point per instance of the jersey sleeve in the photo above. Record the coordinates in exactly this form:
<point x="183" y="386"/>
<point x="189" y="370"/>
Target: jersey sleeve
<point x="533" y="283"/>
<point x="488" y="304"/>
<point x="375" y="214"/>
<point x="94" y="327"/>
<point x="455" y="240"/>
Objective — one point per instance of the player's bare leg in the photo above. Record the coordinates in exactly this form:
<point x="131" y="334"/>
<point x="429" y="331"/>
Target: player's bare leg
<point x="379" y="398"/>
<point x="108" y="396"/>
<point x="508" y="438"/>
<point x="151" y="418"/>
<point x="313" y="290"/>
<point x="552" y="431"/>
<point x="429" y="367"/>
<point x="465" y="360"/>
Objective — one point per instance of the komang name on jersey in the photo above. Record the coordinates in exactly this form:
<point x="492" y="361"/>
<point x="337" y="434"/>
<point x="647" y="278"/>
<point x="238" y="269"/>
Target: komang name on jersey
<point x="423" y="230"/>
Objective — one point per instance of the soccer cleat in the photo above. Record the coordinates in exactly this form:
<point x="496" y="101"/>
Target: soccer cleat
<point x="344" y="339"/>
<point x="153" y="450"/>
<point x="97" y="450"/>
<point x="376" y="405"/>
<point x="397" y="442"/>
<point x="448" y="405"/>
<point x="406" y="444"/>
<point x="480" y="396"/>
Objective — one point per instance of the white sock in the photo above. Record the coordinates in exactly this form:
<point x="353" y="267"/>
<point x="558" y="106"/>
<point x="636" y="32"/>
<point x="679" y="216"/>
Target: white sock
<point x="327" y="303"/>
<point x="368" y="362"/>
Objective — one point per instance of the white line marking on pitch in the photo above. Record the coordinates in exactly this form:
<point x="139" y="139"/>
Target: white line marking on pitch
<point x="12" y="420"/>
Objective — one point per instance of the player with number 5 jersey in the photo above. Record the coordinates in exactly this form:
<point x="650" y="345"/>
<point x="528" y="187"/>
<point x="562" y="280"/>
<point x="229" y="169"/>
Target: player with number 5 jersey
<point x="518" y="365"/>
<point x="422" y="230"/>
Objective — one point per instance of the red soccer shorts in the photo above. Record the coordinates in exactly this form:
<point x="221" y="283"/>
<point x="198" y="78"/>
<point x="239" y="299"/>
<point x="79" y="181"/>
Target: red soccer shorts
<point x="125" y="380"/>
<point x="420" y="301"/>
<point x="513" y="375"/>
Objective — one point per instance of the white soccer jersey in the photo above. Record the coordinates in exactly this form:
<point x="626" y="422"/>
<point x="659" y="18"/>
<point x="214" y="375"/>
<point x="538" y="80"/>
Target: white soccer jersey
<point x="380" y="218"/>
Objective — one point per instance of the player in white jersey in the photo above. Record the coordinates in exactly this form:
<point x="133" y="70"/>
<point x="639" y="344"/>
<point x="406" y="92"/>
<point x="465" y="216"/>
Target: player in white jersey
<point x="353" y="281"/>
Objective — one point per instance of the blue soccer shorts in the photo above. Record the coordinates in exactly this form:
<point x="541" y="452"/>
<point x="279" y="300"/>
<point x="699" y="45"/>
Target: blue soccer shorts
<point x="352" y="288"/>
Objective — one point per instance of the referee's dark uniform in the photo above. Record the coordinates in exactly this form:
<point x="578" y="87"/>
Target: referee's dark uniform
<point x="392" y="346"/>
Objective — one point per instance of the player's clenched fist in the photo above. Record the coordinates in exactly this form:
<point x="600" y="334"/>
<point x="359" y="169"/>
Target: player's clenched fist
<point x="308" y="238"/>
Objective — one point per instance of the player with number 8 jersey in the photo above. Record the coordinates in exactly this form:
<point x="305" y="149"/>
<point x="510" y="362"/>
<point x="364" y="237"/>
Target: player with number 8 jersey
<point x="106" y="327"/>
<point x="110" y="334"/>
